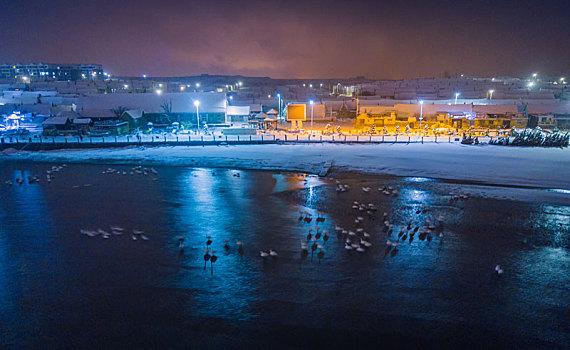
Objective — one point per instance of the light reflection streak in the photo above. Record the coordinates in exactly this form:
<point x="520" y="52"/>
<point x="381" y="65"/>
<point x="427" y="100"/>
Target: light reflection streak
<point x="206" y="211"/>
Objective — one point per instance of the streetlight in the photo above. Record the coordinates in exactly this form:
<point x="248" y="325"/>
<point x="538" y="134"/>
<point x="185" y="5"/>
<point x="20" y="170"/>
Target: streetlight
<point x="197" y="85"/>
<point x="279" y="106"/>
<point x="491" y="94"/>
<point x="456" y="95"/>
<point x="312" y="105"/>
<point x="421" y="113"/>
<point x="197" y="104"/>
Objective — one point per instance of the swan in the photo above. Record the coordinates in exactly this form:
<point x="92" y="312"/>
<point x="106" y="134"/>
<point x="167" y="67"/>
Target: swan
<point x="263" y="254"/>
<point x="272" y="252"/>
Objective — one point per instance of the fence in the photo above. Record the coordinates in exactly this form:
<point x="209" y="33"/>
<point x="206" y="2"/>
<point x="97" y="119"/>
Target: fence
<point x="58" y="142"/>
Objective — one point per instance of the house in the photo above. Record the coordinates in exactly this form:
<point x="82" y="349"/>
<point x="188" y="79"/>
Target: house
<point x="105" y="122"/>
<point x="57" y="126"/>
<point x="238" y="113"/>
<point x="135" y="118"/>
<point x="549" y="115"/>
<point x="82" y="125"/>
<point x="164" y="108"/>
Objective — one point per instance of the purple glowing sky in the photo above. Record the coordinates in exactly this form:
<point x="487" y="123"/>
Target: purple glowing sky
<point x="318" y="39"/>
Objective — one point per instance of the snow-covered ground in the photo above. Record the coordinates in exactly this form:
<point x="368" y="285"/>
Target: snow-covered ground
<point x="539" y="167"/>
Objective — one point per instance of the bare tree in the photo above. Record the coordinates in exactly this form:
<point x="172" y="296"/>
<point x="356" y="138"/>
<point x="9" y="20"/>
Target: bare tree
<point x="119" y="111"/>
<point x="166" y="106"/>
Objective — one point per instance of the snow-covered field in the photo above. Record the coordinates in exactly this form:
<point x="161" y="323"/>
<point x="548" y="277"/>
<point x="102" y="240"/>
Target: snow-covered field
<point x="539" y="167"/>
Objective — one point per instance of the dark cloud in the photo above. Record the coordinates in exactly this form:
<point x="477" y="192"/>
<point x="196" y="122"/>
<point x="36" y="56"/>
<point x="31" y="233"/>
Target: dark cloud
<point x="292" y="39"/>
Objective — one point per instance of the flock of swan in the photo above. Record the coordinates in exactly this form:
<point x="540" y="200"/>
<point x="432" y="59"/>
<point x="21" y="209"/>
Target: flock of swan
<point x="355" y="238"/>
<point x="114" y="231"/>
<point x="138" y="170"/>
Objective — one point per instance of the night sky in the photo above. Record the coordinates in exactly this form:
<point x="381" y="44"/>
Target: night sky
<point x="292" y="39"/>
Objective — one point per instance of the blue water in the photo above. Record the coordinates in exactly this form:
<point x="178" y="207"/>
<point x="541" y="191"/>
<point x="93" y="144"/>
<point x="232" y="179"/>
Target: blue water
<point x="63" y="289"/>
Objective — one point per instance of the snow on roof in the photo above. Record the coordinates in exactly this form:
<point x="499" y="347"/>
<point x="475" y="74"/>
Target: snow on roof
<point x="134" y="113"/>
<point x="255" y="107"/>
<point x="549" y="108"/>
<point x="42" y="109"/>
<point x="60" y="108"/>
<point x="272" y="111"/>
<point x="210" y="102"/>
<point x="238" y="110"/>
<point x="495" y="109"/>
<point x="69" y="114"/>
<point x="56" y="121"/>
<point x="260" y="115"/>
<point x="98" y="113"/>
<point x="82" y="121"/>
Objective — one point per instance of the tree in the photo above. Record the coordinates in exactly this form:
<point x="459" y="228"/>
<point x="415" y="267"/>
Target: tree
<point x="166" y="106"/>
<point x="119" y="111"/>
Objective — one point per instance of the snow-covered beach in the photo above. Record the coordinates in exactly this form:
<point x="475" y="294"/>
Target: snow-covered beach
<point x="513" y="166"/>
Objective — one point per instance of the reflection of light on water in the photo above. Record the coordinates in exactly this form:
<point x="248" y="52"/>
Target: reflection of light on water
<point x="310" y="194"/>
<point x="418" y="179"/>
<point x="407" y="194"/>
<point x="555" y="218"/>
<point x="560" y="190"/>
<point x="213" y="205"/>
<point x="287" y="182"/>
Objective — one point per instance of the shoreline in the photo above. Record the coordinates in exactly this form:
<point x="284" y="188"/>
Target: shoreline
<point x="476" y="165"/>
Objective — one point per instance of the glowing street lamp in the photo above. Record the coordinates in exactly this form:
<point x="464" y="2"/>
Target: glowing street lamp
<point x="197" y="104"/>
<point x="312" y="105"/>
<point x="159" y="92"/>
<point x="530" y="84"/>
<point x="144" y="76"/>
<point x="182" y="88"/>
<point x="197" y="85"/>
<point x="456" y="95"/>
<point x="279" y="106"/>
<point x="421" y="113"/>
<point x="534" y="75"/>
<point x="491" y="94"/>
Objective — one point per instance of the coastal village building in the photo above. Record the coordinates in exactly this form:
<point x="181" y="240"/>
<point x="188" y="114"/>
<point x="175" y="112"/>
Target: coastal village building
<point x="50" y="71"/>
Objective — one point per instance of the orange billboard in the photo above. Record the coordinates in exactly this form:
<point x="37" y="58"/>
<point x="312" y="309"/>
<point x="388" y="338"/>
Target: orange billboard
<point x="296" y="112"/>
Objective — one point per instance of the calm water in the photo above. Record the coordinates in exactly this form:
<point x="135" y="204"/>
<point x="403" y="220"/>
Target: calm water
<point x="60" y="288"/>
